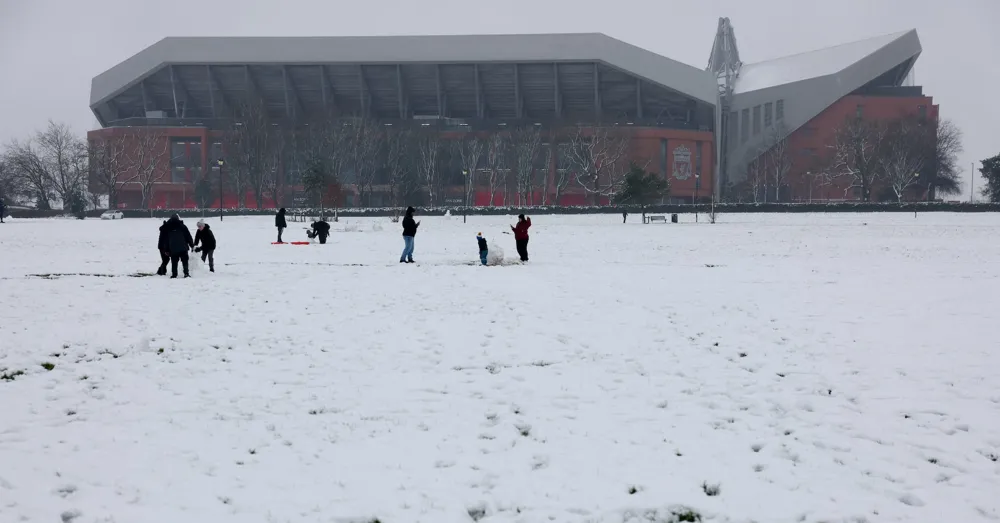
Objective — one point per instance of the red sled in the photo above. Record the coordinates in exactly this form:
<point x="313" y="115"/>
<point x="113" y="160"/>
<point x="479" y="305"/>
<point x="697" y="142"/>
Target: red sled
<point x="290" y="243"/>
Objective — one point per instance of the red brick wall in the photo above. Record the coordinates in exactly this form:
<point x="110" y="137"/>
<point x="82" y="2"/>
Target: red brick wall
<point x="819" y="135"/>
<point x="645" y="150"/>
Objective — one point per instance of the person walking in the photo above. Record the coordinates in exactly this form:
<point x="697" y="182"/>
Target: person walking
<point x="163" y="246"/>
<point x="206" y="237"/>
<point x="521" y="236"/>
<point x="409" y="232"/>
<point x="3" y="209"/>
<point x="280" y="223"/>
<point x="179" y="241"/>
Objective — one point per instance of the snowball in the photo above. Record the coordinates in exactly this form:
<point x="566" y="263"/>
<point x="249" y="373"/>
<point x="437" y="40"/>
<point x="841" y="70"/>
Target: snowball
<point x="494" y="256"/>
<point x="351" y="227"/>
<point x="377" y="226"/>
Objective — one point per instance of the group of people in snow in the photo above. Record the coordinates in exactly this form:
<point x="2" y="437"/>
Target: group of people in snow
<point x="175" y="241"/>
<point x="410" y="227"/>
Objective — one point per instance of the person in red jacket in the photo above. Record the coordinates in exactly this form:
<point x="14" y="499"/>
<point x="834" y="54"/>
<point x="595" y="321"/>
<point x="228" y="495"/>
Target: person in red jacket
<point x="521" y="236"/>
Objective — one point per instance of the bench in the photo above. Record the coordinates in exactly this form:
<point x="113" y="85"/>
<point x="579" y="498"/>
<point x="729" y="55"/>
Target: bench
<point x="656" y="218"/>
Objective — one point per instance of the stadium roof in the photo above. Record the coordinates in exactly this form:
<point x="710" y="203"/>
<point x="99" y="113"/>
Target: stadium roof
<point x="772" y="99"/>
<point x="810" y="64"/>
<point x="584" y="47"/>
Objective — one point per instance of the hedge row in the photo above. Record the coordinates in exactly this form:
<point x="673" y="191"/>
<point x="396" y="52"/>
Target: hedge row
<point x="606" y="209"/>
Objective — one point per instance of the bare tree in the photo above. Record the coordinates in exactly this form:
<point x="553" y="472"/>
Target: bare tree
<point x="496" y="163"/>
<point x="109" y="165"/>
<point x="31" y="172"/>
<point x="779" y="160"/>
<point x="428" y="148"/>
<point x="941" y="170"/>
<point x="11" y="186"/>
<point x="252" y="154"/>
<point x="365" y="142"/>
<point x="470" y="150"/>
<point x="398" y="167"/>
<point x="147" y="159"/>
<point x="756" y="175"/>
<point x="599" y="157"/>
<point x="564" y="171"/>
<point x="540" y="183"/>
<point x="525" y="143"/>
<point x="858" y="147"/>
<point x="904" y="154"/>
<point x="64" y="156"/>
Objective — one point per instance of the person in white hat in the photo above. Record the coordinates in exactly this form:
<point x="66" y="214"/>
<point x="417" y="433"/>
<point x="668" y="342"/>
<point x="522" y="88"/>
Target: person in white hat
<point x="206" y="237"/>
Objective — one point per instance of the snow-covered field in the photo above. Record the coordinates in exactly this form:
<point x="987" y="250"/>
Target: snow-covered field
<point x="765" y="368"/>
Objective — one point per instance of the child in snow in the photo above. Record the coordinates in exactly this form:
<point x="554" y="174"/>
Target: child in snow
<point x="483" y="249"/>
<point x="206" y="237"/>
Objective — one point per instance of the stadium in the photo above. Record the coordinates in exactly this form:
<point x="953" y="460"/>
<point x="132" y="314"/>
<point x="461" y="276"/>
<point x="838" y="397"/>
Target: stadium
<point x="571" y="97"/>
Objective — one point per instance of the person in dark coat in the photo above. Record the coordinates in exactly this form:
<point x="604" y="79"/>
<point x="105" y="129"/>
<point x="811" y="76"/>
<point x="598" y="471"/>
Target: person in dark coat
<point x="163" y="245"/>
<point x="3" y="209"/>
<point x="409" y="232"/>
<point x="484" y="249"/>
<point x="206" y="238"/>
<point x="280" y="223"/>
<point x="320" y="229"/>
<point x="179" y="241"/>
<point x="521" y="236"/>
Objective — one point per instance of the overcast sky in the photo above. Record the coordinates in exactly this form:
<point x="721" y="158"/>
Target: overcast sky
<point x="51" y="49"/>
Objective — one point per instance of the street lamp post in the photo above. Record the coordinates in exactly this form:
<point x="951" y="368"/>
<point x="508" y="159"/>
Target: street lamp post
<point x="221" y="164"/>
<point x="697" y="186"/>
<point x="465" y="187"/>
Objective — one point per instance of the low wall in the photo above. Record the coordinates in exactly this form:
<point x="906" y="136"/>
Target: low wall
<point x="839" y="207"/>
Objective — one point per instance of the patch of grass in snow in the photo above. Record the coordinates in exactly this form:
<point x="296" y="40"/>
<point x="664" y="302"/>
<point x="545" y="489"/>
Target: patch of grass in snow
<point x="523" y="428"/>
<point x="253" y="451"/>
<point x="743" y="355"/>
<point x="711" y="490"/>
<point x="108" y="352"/>
<point x="11" y="375"/>
<point x="634" y="489"/>
<point x="477" y="512"/>
<point x="48" y="366"/>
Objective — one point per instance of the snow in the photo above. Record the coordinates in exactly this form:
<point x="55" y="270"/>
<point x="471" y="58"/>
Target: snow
<point x="811" y="64"/>
<point x="811" y="368"/>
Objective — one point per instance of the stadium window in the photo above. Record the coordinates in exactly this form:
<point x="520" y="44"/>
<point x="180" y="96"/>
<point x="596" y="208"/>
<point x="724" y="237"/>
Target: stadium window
<point x="732" y="128"/>
<point x="745" y="126"/>
<point x="756" y="120"/>
<point x="768" y="114"/>
<point x="860" y="111"/>
<point x="563" y="156"/>
<point x="194" y="161"/>
<point x="178" y="160"/>
<point x="779" y="110"/>
<point x="663" y="158"/>
<point x="922" y="112"/>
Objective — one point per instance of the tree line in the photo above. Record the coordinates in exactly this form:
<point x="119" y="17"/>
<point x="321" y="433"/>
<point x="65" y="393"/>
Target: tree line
<point x="407" y="164"/>
<point x="868" y="159"/>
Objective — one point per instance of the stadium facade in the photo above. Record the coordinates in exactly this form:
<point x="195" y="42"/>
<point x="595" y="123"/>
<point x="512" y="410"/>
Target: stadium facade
<point x="699" y="128"/>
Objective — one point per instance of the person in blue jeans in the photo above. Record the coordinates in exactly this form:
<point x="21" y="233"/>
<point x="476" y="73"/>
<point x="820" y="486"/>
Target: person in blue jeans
<point x="483" y="249"/>
<point x="409" y="232"/>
